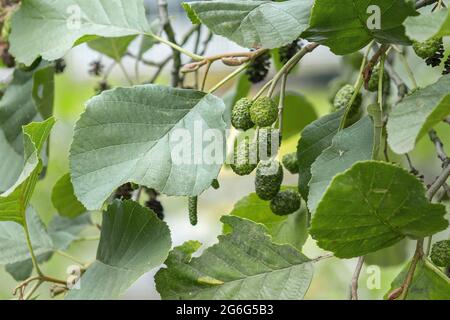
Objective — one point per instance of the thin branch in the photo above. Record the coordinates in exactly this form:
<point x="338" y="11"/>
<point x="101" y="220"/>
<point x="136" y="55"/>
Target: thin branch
<point x="424" y="3"/>
<point x="355" y="278"/>
<point x="439" y="145"/>
<point x="167" y="26"/>
<point x="438" y="183"/>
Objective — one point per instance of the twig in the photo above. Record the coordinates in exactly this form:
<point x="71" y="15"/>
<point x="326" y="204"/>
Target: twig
<point x="320" y="258"/>
<point x="355" y="278"/>
<point x="438" y="183"/>
<point x="439" y="145"/>
<point x="167" y="26"/>
<point x="281" y="104"/>
<point x="228" y="78"/>
<point x="423" y="3"/>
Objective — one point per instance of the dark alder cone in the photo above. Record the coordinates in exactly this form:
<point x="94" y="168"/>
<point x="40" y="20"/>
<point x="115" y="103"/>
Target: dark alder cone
<point x="60" y="66"/>
<point x="153" y="203"/>
<point x="259" y="68"/>
<point x="124" y="192"/>
<point x="446" y="66"/>
<point x="436" y="59"/>
<point x="287" y="52"/>
<point x="215" y="184"/>
<point x="102" y="86"/>
<point x="96" y="68"/>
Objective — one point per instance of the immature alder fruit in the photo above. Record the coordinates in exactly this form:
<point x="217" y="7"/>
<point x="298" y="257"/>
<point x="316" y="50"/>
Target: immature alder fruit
<point x="428" y="48"/>
<point x="245" y="158"/>
<point x="440" y="253"/>
<point x="240" y="115"/>
<point x="285" y="202"/>
<point x="290" y="162"/>
<point x="193" y="214"/>
<point x="264" y="112"/>
<point x="344" y="96"/>
<point x="268" y="142"/>
<point x="269" y="176"/>
<point x="375" y="78"/>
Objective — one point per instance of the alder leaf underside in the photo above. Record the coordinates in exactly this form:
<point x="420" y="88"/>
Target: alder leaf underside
<point x="253" y="23"/>
<point x="344" y="25"/>
<point x="50" y="28"/>
<point x="371" y="206"/>
<point x="428" y="25"/>
<point x="150" y="135"/>
<point x="133" y="241"/>
<point x="417" y="113"/>
<point x="244" y="265"/>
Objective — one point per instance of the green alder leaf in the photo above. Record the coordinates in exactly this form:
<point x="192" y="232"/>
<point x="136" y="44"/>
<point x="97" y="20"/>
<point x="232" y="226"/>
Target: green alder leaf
<point x="429" y="283"/>
<point x="141" y="135"/>
<point x="244" y="265"/>
<point x="64" y="199"/>
<point x="133" y="241"/>
<point x="115" y="48"/>
<point x="44" y="89"/>
<point x="51" y="28"/>
<point x="253" y="23"/>
<point x="13" y="245"/>
<point x="417" y="113"/>
<point x="291" y="229"/>
<point x="343" y="25"/>
<point x="64" y="231"/>
<point x="396" y="255"/>
<point x="371" y="206"/>
<point x="315" y="138"/>
<point x="15" y="200"/>
<point x="29" y="97"/>
<point x="428" y="25"/>
<point x="351" y="145"/>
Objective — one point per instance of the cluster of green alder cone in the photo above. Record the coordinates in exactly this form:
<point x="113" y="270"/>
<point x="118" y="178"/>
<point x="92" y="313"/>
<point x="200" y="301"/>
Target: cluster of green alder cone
<point x="263" y="113"/>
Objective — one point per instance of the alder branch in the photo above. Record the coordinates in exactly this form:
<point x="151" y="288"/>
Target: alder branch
<point x="424" y="3"/>
<point x="439" y="145"/>
<point x="167" y="26"/>
<point x="355" y="278"/>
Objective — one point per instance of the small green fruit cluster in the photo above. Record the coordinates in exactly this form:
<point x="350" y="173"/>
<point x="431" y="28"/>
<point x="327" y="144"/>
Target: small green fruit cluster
<point x="285" y="202"/>
<point x="428" y="48"/>
<point x="269" y="176"/>
<point x="343" y="97"/>
<point x="264" y="112"/>
<point x="440" y="253"/>
<point x="246" y="113"/>
<point x="245" y="157"/>
<point x="375" y="79"/>
<point x="240" y="115"/>
<point x="290" y="162"/>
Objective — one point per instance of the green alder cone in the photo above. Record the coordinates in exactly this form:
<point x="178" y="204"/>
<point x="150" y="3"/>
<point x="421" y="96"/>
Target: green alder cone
<point x="427" y="48"/>
<point x="269" y="176"/>
<point x="375" y="79"/>
<point x="285" y="202"/>
<point x="268" y="143"/>
<point x="264" y="112"/>
<point x="245" y="158"/>
<point x="240" y="115"/>
<point x="290" y="162"/>
<point x="342" y="99"/>
<point x="440" y="253"/>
